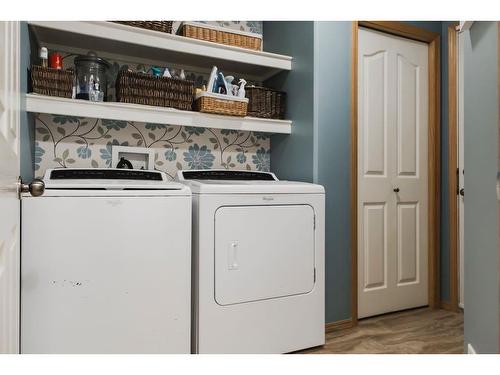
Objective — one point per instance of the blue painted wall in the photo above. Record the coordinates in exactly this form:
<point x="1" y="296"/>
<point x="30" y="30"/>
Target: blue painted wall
<point x="325" y="150"/>
<point x="332" y="55"/>
<point x="480" y="165"/>
<point x="292" y="156"/>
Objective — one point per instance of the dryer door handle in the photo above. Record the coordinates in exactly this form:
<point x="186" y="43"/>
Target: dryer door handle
<point x="232" y="256"/>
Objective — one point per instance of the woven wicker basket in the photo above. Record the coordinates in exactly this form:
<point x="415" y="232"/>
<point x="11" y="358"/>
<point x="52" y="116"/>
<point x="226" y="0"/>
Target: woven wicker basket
<point x="221" y="104"/>
<point x="140" y="88"/>
<point x="265" y="102"/>
<point x="163" y="26"/>
<point x="52" y="82"/>
<point x="220" y="35"/>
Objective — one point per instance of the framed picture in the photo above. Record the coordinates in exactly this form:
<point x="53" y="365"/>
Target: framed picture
<point x="139" y="157"/>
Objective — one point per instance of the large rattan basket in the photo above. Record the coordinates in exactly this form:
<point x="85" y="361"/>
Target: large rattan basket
<point x="220" y="35"/>
<point x="52" y="82"/>
<point x="221" y="104"/>
<point x="141" y="88"/>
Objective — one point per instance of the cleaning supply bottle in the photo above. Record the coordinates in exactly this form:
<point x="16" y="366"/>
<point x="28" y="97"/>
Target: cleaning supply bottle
<point x="241" y="91"/>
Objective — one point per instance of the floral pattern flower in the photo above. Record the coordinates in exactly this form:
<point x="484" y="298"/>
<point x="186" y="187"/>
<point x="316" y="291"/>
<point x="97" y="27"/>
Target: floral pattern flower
<point x="106" y="153"/>
<point x="228" y="131"/>
<point x="241" y="158"/>
<point x="84" y="152"/>
<point x="60" y="119"/>
<point x="199" y="157"/>
<point x="170" y="155"/>
<point x="114" y="124"/>
<point x="262" y="159"/>
<point x="151" y="126"/>
<point x="194" y="130"/>
<point x="261" y="136"/>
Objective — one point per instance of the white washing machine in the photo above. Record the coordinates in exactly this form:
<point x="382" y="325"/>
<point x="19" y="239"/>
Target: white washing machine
<point x="258" y="262"/>
<point x="106" y="263"/>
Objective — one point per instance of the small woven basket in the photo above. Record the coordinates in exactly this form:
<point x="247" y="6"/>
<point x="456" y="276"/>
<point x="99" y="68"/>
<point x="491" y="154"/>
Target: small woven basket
<point x="52" y="82"/>
<point x="265" y="102"/>
<point x="221" y="36"/>
<point x="217" y="104"/>
<point x="163" y="26"/>
<point x="140" y="88"/>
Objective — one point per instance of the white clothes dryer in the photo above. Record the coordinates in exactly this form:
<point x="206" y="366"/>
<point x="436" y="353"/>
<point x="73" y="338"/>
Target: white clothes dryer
<point x="258" y="262"/>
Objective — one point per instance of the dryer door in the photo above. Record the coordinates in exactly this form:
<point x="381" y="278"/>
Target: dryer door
<point x="263" y="252"/>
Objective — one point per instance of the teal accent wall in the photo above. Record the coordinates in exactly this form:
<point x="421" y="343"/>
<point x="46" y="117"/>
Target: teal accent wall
<point x="332" y="57"/>
<point x="319" y="148"/>
<point x="480" y="164"/>
<point x="292" y="156"/>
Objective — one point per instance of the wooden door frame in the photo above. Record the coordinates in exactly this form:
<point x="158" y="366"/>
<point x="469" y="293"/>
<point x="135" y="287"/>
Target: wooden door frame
<point x="498" y="75"/>
<point x="432" y="39"/>
<point x="452" y="304"/>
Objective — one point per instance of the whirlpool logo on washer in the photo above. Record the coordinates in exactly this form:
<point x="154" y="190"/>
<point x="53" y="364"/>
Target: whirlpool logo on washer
<point x="114" y="202"/>
<point x="268" y="199"/>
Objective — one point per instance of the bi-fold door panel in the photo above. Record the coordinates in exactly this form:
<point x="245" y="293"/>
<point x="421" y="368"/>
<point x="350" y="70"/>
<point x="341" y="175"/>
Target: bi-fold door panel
<point x="392" y="173"/>
<point x="263" y="252"/>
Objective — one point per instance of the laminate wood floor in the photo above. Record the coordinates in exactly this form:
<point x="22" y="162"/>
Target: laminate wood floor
<point x="416" y="331"/>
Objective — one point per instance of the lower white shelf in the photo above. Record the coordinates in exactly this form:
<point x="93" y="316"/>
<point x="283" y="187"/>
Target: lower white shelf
<point x="143" y="113"/>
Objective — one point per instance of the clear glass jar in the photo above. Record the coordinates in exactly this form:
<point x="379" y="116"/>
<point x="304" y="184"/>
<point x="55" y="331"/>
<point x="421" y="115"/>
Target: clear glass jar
<point x="91" y="77"/>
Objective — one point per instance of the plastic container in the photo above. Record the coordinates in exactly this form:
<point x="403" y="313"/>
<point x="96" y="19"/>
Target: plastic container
<point x="91" y="77"/>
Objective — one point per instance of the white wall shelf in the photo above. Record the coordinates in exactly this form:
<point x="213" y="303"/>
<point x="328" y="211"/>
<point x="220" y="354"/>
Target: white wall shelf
<point x="134" y="112"/>
<point x="158" y="46"/>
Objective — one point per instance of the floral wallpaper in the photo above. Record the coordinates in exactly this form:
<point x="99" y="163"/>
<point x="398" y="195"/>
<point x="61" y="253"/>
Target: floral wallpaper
<point x="66" y="141"/>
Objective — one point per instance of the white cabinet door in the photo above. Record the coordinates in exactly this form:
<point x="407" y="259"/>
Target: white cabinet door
<point x="9" y="172"/>
<point x="263" y="252"/>
<point x="392" y="173"/>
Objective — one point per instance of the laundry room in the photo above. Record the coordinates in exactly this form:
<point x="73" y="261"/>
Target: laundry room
<point x="277" y="186"/>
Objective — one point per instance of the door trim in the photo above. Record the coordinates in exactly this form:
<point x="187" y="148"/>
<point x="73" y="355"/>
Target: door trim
<point x="498" y="74"/>
<point x="452" y="304"/>
<point x="432" y="39"/>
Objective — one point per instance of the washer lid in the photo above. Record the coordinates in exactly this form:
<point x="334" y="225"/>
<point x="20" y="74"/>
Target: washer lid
<point x="108" y="179"/>
<point x="243" y="182"/>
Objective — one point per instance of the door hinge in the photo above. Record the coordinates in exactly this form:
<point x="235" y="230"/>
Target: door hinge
<point x="458" y="181"/>
<point x="314" y="222"/>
